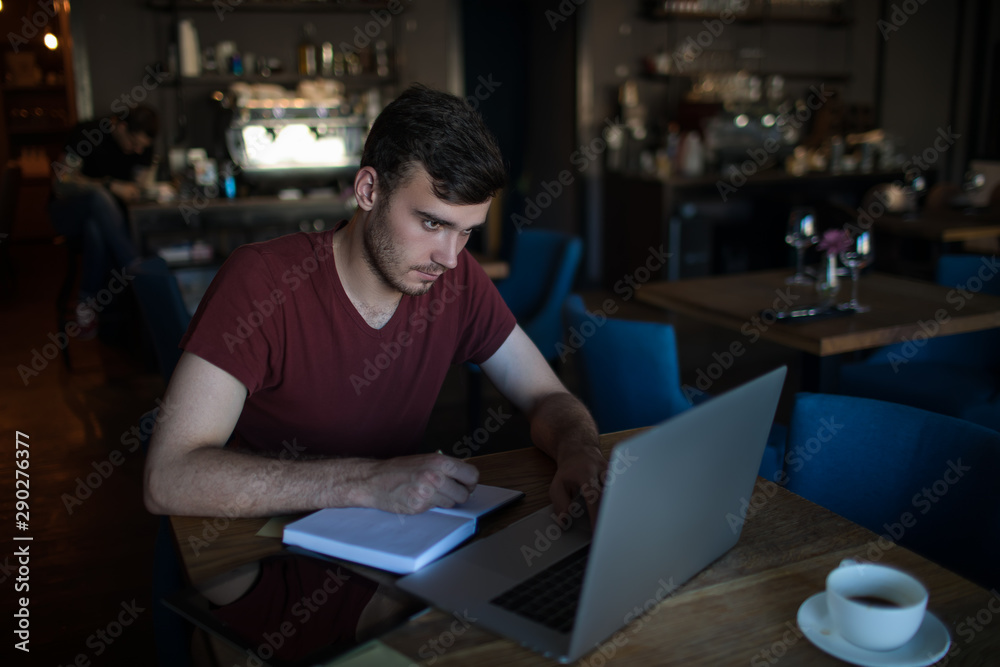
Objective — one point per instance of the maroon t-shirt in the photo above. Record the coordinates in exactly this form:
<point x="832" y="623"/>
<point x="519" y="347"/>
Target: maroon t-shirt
<point x="299" y="605"/>
<point x="320" y="381"/>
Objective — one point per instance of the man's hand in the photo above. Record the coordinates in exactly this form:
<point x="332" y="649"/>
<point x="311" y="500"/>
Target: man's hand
<point x="414" y="484"/>
<point x="125" y="190"/>
<point x="578" y="478"/>
<point x="560" y="424"/>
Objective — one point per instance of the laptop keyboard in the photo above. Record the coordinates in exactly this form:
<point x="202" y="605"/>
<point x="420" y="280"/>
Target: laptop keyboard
<point x="551" y="596"/>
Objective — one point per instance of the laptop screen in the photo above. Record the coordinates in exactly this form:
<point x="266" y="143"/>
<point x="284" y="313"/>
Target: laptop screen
<point x="291" y="610"/>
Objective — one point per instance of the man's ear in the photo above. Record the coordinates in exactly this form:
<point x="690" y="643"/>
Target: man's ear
<point x="364" y="188"/>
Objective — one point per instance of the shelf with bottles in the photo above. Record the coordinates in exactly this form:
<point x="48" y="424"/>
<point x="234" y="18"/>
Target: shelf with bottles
<point x="286" y="6"/>
<point x="39" y="88"/>
<point x="355" y="64"/>
<point x="30" y="119"/>
<point x="818" y="77"/>
<point x="351" y="82"/>
<point x="694" y="53"/>
<point x="815" y="12"/>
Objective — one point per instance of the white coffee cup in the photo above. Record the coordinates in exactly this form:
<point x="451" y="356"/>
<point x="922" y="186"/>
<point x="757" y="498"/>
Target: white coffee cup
<point x="875" y="607"/>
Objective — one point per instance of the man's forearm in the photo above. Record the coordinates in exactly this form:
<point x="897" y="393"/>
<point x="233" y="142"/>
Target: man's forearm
<point x="561" y="425"/>
<point x="74" y="183"/>
<point x="212" y="481"/>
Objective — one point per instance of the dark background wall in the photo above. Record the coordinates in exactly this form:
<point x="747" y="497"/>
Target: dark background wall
<point x="532" y="111"/>
<point x="559" y="79"/>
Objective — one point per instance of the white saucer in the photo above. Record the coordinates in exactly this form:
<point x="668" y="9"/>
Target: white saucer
<point x="929" y="645"/>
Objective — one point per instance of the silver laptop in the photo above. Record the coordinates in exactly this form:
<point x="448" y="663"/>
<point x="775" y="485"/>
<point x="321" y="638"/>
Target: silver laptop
<point x="667" y="512"/>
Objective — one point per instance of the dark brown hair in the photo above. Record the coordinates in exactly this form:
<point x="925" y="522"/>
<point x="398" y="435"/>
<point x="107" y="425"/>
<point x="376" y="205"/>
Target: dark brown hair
<point x="446" y="136"/>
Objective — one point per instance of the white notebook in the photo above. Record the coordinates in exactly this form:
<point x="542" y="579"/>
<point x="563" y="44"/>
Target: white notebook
<point x="400" y="543"/>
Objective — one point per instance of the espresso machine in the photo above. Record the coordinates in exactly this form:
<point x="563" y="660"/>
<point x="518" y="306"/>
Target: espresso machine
<point x="309" y="137"/>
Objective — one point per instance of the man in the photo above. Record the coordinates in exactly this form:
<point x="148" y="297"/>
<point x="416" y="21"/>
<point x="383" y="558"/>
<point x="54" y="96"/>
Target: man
<point x="326" y="351"/>
<point x="104" y="162"/>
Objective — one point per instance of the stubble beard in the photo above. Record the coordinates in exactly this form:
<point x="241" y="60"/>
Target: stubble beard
<point x="383" y="255"/>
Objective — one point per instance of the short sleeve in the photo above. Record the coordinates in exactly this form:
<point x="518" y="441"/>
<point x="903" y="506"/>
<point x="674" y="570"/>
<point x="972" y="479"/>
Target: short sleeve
<point x="487" y="322"/>
<point x="239" y="325"/>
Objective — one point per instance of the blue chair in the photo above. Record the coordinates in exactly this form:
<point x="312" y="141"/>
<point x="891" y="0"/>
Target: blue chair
<point x="923" y="480"/>
<point x="163" y="310"/>
<point x="542" y="269"/>
<point x="631" y="377"/>
<point x="957" y="375"/>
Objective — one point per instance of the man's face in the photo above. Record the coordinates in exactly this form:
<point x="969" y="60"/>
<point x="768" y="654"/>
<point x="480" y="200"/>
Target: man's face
<point x="414" y="237"/>
<point x="131" y="142"/>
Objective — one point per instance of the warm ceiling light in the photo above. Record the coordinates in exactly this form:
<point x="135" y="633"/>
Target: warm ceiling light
<point x="51" y="41"/>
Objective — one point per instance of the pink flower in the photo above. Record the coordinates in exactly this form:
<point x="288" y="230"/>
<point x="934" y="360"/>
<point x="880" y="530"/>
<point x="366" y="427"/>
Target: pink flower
<point x="835" y="241"/>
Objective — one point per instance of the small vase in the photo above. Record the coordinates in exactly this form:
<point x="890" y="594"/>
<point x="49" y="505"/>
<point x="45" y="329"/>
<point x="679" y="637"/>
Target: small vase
<point x="828" y="282"/>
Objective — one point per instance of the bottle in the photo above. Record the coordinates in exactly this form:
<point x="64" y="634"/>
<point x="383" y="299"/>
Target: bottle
<point x="229" y="180"/>
<point x="382" y="58"/>
<point x="692" y="155"/>
<point x="190" y="52"/>
<point x="307" y="51"/>
<point x="236" y="63"/>
<point x="326" y="59"/>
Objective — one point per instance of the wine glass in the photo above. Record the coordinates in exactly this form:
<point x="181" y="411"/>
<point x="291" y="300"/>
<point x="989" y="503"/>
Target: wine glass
<point x="856" y="257"/>
<point x="800" y="235"/>
<point x="975" y="181"/>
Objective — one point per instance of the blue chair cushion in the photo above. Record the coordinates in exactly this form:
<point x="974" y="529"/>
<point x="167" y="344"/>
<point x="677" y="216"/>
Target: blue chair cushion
<point x="629" y="368"/>
<point x="772" y="464"/>
<point x="985" y="414"/>
<point x="939" y="387"/>
<point x="980" y="349"/>
<point x="920" y="479"/>
<point x="543" y="268"/>
<point x="163" y="309"/>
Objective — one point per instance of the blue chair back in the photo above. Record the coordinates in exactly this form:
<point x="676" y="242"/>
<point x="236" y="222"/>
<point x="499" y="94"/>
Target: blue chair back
<point x="163" y="310"/>
<point x="631" y="376"/>
<point x="543" y="267"/>
<point x="923" y="480"/>
<point x="979" y="348"/>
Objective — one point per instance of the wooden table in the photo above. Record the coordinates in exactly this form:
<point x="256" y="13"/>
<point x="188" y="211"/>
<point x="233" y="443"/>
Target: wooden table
<point x="900" y="309"/>
<point x="741" y="610"/>
<point x="941" y="226"/>
<point x="496" y="269"/>
<point x="912" y="245"/>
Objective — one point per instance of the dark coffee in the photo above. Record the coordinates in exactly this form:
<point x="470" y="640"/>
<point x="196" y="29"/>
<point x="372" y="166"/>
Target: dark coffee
<point x="875" y="601"/>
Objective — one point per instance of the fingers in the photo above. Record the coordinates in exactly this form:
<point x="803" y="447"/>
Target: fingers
<point x="437" y="481"/>
<point x="593" y="505"/>
<point x="560" y="497"/>
<point x="464" y="473"/>
<point x="440" y="490"/>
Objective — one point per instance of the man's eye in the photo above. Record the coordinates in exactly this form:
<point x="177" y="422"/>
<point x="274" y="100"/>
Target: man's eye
<point x="432" y="224"/>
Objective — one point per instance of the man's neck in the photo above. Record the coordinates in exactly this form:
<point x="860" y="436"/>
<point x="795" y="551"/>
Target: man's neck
<point x="374" y="300"/>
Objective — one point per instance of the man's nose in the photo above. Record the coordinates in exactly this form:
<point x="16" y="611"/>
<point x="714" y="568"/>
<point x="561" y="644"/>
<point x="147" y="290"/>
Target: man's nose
<point x="446" y="254"/>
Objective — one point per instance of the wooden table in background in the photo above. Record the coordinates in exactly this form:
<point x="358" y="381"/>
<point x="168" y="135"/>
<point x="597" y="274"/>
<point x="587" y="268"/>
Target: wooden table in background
<point x="740" y="610"/>
<point x="912" y="245"/>
<point x="496" y="269"/>
<point x="900" y="309"/>
<point x="941" y="226"/>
